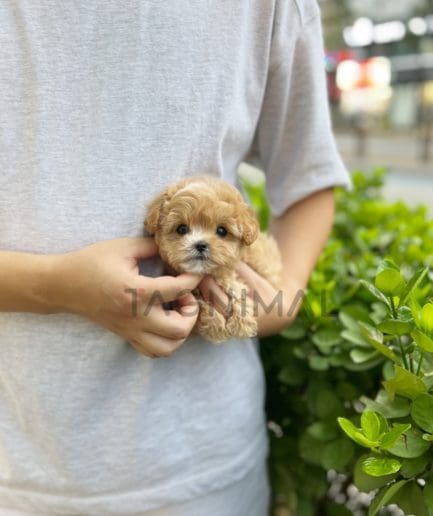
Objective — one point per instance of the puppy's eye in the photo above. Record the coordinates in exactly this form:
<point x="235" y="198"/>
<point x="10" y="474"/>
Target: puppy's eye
<point x="182" y="229"/>
<point x="221" y="231"/>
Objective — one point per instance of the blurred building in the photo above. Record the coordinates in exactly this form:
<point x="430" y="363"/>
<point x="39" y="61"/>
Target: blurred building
<point x="380" y="62"/>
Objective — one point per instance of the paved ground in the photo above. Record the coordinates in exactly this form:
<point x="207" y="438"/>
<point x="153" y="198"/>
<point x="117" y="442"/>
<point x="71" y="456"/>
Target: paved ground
<point x="409" y="178"/>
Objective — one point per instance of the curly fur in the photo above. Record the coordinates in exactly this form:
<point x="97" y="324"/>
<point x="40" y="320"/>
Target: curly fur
<point x="202" y="204"/>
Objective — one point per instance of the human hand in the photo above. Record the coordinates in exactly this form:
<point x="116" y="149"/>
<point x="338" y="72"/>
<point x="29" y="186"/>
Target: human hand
<point x="274" y="308"/>
<point x="214" y="294"/>
<point x="101" y="282"/>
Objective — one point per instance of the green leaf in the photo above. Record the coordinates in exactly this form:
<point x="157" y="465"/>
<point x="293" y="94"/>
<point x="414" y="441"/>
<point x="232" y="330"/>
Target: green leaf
<point x="387" y="263"/>
<point x="355" y="312"/>
<point x="323" y="430"/>
<point x="405" y="383"/>
<point x="292" y="374"/>
<point x="414" y="282"/>
<point x="398" y="407"/>
<point x="366" y="482"/>
<point x="410" y="445"/>
<point x="404" y="314"/>
<point x="346" y="390"/>
<point x="379" y="312"/>
<point x="363" y="366"/>
<point x="391" y="437"/>
<point x="311" y="449"/>
<point x="370" y="332"/>
<point x="415" y="308"/>
<point x="326" y="338"/>
<point x="387" y="373"/>
<point x="326" y="404"/>
<point x="428" y="495"/>
<point x="380" y="466"/>
<point x="316" y="486"/>
<point x="361" y="355"/>
<point x="337" y="454"/>
<point x="373" y="424"/>
<point x="395" y="327"/>
<point x="348" y="321"/>
<point x="376" y="292"/>
<point x="295" y="331"/>
<point x="410" y="499"/>
<point x="375" y="338"/>
<point x="355" y="337"/>
<point x="422" y="412"/>
<point x="355" y="433"/>
<point x="413" y="467"/>
<point x="427" y="317"/>
<point x="390" y="282"/>
<point x="422" y="340"/>
<point x="383" y="497"/>
<point x="318" y="363"/>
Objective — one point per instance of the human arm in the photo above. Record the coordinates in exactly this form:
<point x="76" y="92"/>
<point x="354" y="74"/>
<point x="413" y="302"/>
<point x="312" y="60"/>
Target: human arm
<point x="23" y="278"/>
<point x="98" y="282"/>
<point x="301" y="233"/>
<point x="294" y="146"/>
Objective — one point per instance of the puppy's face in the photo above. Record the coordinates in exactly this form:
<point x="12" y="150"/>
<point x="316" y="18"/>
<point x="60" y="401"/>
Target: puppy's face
<point x="201" y="224"/>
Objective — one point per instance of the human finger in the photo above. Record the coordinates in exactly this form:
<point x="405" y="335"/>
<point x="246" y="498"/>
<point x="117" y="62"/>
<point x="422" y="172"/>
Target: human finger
<point x="141" y="247"/>
<point x="255" y="282"/>
<point x="171" y="324"/>
<point x="214" y="294"/>
<point x="156" y="345"/>
<point x="188" y="305"/>
<point x="166" y="288"/>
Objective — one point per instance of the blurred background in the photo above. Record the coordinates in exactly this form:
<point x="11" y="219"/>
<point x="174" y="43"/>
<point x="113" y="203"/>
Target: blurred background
<point x="379" y="64"/>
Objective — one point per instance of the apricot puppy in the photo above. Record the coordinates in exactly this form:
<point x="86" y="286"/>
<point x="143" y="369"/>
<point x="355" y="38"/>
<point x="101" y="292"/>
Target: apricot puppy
<point x="201" y="224"/>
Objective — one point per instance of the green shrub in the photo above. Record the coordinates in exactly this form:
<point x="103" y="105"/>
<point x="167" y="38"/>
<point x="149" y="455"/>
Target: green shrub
<point x="350" y="383"/>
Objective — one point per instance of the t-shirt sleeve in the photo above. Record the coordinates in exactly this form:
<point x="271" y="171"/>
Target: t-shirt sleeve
<point x="293" y="142"/>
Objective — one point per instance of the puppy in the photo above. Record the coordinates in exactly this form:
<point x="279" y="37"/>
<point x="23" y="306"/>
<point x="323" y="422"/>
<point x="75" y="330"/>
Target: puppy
<point x="201" y="224"/>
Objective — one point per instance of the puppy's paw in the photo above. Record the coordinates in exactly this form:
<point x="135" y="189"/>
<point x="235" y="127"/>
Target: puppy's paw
<point x="242" y="327"/>
<point x="238" y="322"/>
<point x="211" y="324"/>
<point x="241" y="323"/>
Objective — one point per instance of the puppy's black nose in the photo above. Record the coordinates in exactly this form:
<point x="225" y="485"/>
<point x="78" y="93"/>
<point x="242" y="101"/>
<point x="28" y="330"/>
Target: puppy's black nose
<point x="201" y="246"/>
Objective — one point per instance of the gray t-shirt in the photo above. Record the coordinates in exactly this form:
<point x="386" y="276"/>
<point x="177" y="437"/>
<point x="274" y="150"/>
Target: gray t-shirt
<point x="102" y="104"/>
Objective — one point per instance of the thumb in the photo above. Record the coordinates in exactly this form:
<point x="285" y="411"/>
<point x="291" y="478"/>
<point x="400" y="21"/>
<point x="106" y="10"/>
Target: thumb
<point x="257" y="284"/>
<point x="167" y="288"/>
<point x="249" y="275"/>
<point x="142" y="247"/>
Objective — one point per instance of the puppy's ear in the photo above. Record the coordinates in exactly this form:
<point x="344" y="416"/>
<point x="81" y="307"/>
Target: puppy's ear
<point x="248" y="224"/>
<point x="153" y="214"/>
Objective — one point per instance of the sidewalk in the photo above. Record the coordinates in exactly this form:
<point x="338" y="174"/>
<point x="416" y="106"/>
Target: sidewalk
<point x="409" y="178"/>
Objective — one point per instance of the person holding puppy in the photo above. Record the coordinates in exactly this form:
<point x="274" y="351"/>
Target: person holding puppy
<point x="105" y="409"/>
